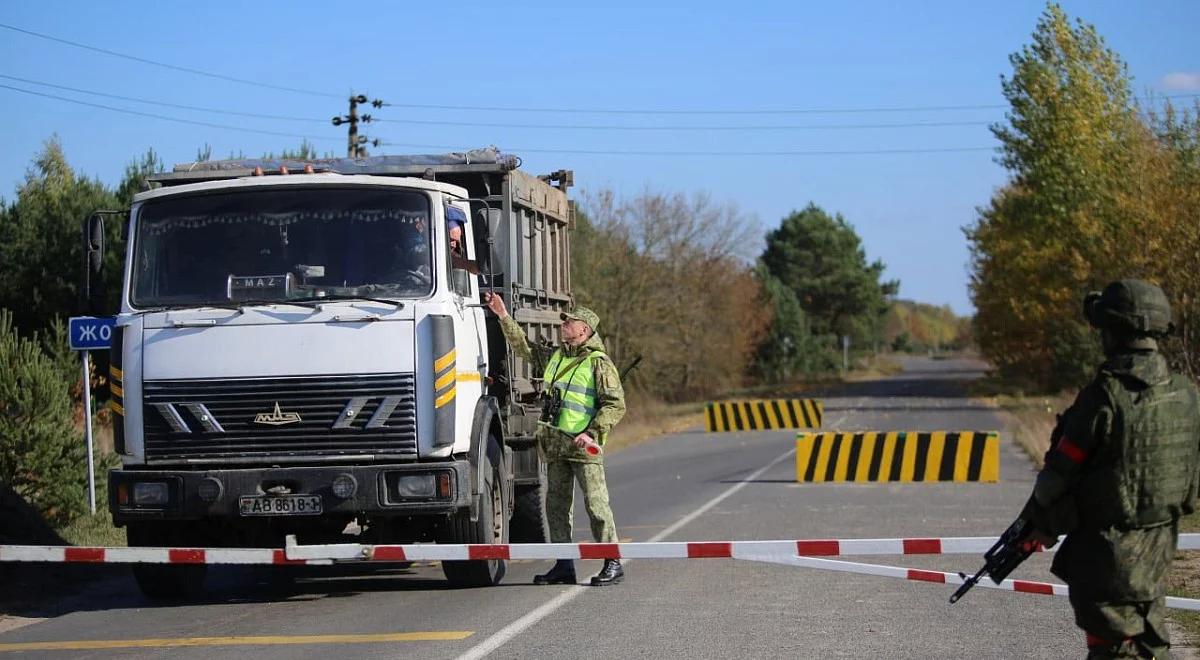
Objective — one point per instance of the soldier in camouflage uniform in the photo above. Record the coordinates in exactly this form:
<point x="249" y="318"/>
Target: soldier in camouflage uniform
<point x="593" y="402"/>
<point x="1121" y="470"/>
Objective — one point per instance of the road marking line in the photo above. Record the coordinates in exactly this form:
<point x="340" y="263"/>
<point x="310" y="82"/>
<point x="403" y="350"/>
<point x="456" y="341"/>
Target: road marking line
<point x="259" y="640"/>
<point x="502" y="636"/>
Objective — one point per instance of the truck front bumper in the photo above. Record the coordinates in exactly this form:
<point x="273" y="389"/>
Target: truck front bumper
<point x="391" y="490"/>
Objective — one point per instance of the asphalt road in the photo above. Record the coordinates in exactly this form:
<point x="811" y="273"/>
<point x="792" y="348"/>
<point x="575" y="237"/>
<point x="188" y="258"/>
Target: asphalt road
<point x="689" y="486"/>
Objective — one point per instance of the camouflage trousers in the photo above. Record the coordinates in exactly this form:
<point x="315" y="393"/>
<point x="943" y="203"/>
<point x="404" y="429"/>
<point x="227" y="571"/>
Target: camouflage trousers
<point x="560" y="500"/>
<point x="1124" y="630"/>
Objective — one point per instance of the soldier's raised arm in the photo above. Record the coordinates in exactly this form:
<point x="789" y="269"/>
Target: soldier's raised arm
<point x="515" y="336"/>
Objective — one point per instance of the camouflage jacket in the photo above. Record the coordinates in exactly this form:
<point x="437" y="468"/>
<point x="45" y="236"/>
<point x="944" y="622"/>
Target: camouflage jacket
<point x="1100" y="562"/>
<point x="610" y="396"/>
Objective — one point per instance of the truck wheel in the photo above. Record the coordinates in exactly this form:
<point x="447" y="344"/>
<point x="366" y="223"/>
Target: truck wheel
<point x="491" y="527"/>
<point x="529" y="514"/>
<point x="165" y="581"/>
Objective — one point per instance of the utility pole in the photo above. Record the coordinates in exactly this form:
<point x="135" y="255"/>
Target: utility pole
<point x="355" y="143"/>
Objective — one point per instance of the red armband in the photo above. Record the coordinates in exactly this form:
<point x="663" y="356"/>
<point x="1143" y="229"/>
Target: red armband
<point x="1071" y="450"/>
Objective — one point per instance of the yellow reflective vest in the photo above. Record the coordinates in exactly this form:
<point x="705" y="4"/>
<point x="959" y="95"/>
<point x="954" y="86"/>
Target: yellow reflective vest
<point x="575" y="379"/>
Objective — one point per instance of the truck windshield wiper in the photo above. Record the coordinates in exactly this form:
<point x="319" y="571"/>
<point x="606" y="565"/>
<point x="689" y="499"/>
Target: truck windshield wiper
<point x="317" y="300"/>
<point x="243" y="304"/>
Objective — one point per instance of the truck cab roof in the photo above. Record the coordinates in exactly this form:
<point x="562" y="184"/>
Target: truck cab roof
<point x="478" y="161"/>
<point x="251" y="181"/>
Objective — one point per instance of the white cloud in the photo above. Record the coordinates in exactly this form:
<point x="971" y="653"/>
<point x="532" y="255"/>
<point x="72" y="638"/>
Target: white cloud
<point x="1182" y="81"/>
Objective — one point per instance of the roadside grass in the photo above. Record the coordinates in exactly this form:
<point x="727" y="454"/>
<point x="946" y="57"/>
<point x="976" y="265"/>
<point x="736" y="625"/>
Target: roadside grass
<point x="873" y="368"/>
<point x="1031" y="419"/>
<point x="648" y="417"/>
<point x="95" y="530"/>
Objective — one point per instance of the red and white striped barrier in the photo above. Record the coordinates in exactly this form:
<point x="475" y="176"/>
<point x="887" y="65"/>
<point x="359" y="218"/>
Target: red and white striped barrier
<point x="84" y="555"/>
<point x="294" y="553"/>
<point x="940" y="577"/>
<point x="812" y="553"/>
<point x="658" y="550"/>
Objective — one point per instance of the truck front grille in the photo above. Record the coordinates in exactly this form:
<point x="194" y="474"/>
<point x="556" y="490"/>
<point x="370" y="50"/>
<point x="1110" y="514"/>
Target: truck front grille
<point x="318" y="418"/>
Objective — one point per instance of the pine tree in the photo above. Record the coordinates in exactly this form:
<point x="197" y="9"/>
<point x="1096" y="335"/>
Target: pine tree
<point x="42" y="456"/>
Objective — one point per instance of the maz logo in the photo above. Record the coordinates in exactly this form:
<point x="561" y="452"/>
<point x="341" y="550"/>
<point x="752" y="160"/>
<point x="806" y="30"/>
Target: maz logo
<point x="277" y="417"/>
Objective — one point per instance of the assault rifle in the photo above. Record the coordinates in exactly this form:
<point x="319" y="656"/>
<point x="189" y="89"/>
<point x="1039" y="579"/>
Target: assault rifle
<point x="1014" y="547"/>
<point x="633" y="365"/>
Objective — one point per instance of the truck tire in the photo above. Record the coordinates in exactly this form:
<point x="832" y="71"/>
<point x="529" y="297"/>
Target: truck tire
<point x="490" y="527"/>
<point x="529" y="514"/>
<point x="165" y="581"/>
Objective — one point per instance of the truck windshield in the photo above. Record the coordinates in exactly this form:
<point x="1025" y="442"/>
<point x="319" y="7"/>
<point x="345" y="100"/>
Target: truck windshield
<point x="282" y="244"/>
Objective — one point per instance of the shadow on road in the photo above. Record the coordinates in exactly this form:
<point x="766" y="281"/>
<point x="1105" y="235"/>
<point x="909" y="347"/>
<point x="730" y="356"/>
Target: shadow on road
<point x="113" y="588"/>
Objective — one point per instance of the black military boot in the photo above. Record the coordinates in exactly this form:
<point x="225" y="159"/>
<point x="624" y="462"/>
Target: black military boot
<point x="562" y="573"/>
<point x="610" y="574"/>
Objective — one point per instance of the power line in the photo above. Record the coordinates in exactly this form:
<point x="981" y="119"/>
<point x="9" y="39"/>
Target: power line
<point x="603" y="152"/>
<point x="174" y="67"/>
<point x="165" y="117"/>
<point x="597" y="111"/>
<point x="851" y="152"/>
<point x="591" y="152"/>
<point x="162" y="103"/>
<point x="594" y="127"/>
<point x="585" y="127"/>
<point x="434" y="122"/>
<point x="693" y="111"/>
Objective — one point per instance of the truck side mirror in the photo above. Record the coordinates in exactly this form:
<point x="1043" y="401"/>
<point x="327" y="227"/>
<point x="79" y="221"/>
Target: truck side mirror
<point x="93" y="267"/>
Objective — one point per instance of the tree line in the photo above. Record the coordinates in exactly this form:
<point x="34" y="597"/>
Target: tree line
<point x="676" y="280"/>
<point x="1101" y="186"/>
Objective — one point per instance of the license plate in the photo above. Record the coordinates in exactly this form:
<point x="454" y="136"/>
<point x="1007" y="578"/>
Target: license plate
<point x="280" y="505"/>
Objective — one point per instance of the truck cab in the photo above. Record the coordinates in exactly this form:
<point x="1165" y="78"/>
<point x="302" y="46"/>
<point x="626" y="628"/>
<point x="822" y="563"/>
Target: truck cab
<point x="309" y="354"/>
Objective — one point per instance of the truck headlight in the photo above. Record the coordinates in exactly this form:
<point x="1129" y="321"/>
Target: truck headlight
<point x="150" y="493"/>
<point x="415" y="485"/>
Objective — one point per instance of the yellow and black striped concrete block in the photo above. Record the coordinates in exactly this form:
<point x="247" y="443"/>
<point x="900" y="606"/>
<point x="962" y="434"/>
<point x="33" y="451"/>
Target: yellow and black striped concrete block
<point x="903" y="456"/>
<point x="764" y="414"/>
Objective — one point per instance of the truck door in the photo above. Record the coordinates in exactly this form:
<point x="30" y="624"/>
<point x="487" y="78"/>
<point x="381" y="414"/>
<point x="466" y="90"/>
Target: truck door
<point x="470" y="332"/>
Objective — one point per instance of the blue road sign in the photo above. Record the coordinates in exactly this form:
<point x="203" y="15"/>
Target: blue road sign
<point x="91" y="333"/>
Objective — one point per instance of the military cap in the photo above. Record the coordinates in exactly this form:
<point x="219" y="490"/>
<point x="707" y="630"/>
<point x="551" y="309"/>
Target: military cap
<point x="582" y="314"/>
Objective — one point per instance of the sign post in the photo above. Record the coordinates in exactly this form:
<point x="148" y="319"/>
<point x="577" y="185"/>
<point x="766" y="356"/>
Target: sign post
<point x="90" y="333"/>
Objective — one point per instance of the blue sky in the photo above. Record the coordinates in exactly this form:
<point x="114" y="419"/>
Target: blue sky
<point x="700" y="55"/>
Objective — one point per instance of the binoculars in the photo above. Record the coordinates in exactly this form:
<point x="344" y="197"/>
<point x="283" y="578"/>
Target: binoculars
<point x="551" y="405"/>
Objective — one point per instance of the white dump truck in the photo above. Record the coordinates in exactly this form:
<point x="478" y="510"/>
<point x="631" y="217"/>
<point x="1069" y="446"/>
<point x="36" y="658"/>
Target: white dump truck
<point x="302" y="348"/>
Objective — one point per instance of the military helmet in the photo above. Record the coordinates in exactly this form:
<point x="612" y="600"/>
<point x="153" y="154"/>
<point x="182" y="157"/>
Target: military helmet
<point x="1130" y="306"/>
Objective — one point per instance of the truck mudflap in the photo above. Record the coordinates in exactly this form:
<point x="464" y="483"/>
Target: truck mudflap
<point x="401" y="489"/>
